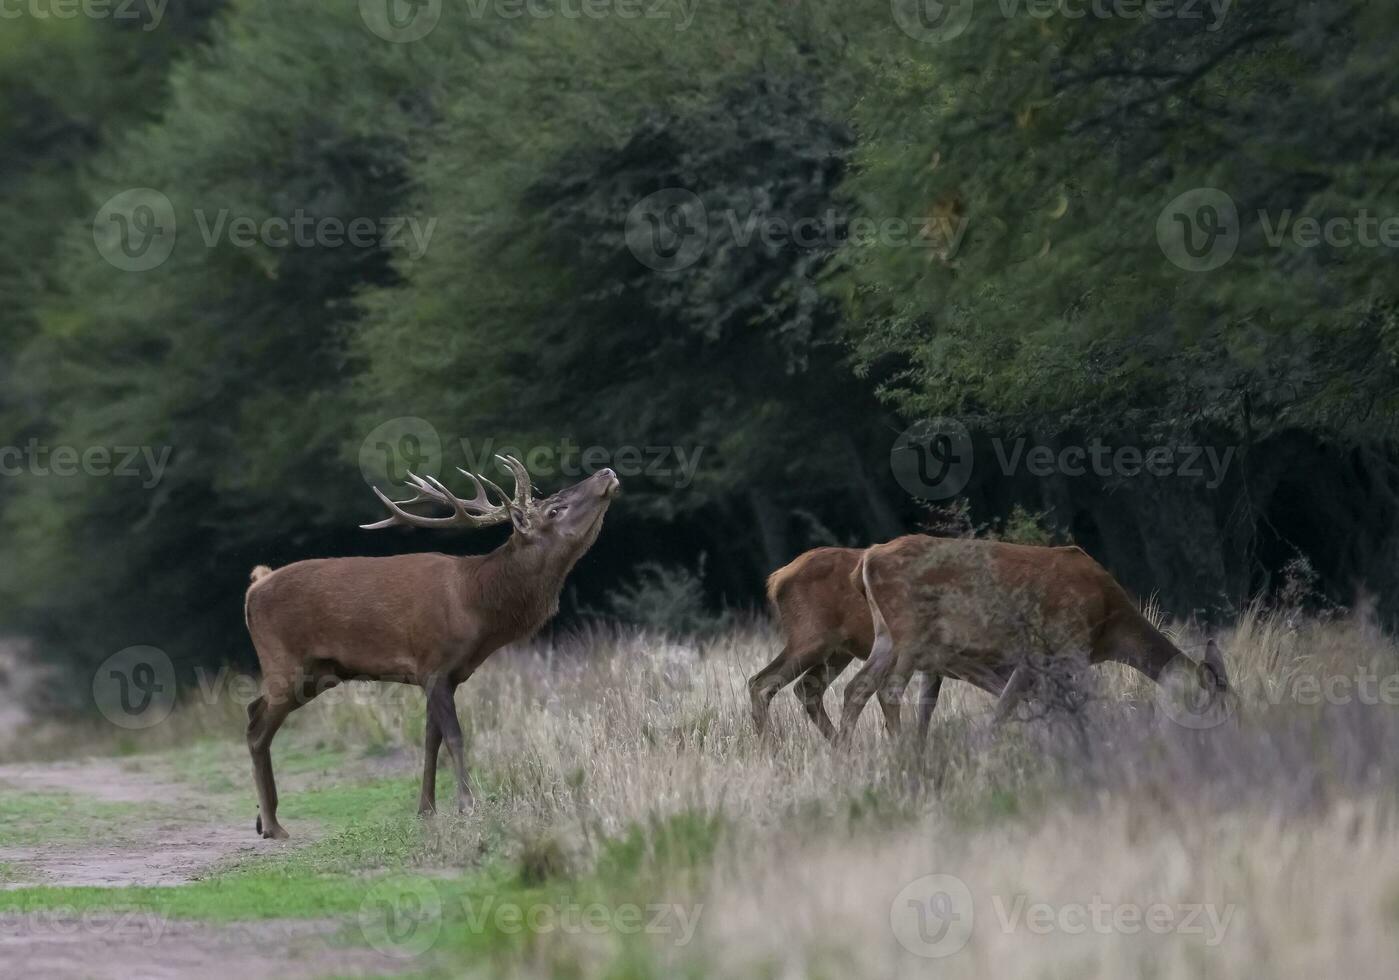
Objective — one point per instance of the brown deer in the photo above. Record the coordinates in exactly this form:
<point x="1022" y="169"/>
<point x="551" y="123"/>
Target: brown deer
<point x="980" y="611"/>
<point x="424" y="619"/>
<point x="825" y="624"/>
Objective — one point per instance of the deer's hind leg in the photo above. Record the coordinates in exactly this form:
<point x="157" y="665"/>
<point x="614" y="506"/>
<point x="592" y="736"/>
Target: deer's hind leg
<point x="791" y="663"/>
<point x="878" y="671"/>
<point x="266" y="713"/>
<point x="811" y="691"/>
<point x="265" y="716"/>
<point x="927" y="703"/>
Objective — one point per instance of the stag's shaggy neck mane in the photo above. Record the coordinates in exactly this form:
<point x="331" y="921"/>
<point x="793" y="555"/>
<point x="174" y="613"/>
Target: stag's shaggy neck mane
<point x="1141" y="645"/>
<point x="522" y="580"/>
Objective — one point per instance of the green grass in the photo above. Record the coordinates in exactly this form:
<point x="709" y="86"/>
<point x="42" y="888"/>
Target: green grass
<point x="375" y="854"/>
<point x="38" y="818"/>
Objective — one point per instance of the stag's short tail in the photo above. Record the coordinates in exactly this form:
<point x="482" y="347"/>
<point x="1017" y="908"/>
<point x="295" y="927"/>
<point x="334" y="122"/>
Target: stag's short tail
<point x="258" y="574"/>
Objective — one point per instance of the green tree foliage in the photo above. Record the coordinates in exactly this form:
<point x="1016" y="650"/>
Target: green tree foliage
<point x="1014" y="177"/>
<point x="1053" y="145"/>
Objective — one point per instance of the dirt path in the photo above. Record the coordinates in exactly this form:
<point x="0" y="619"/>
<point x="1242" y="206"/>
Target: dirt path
<point x="185" y="839"/>
<point x="157" y="851"/>
<point x="120" y="946"/>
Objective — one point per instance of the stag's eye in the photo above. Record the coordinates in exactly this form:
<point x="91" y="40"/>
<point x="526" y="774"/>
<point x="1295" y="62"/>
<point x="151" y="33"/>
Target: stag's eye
<point x="554" y="512"/>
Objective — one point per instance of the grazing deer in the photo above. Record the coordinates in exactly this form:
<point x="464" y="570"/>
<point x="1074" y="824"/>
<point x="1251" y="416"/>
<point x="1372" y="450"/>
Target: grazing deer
<point x="825" y="624"/>
<point x="425" y="619"/>
<point x="978" y="611"/>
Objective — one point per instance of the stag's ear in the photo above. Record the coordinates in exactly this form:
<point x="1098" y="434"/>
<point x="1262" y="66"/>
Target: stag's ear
<point x="1213" y="657"/>
<point x="520" y="519"/>
<point x="1214" y="662"/>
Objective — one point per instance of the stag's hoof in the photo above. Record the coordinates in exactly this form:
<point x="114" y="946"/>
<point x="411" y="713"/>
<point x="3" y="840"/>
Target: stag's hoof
<point x="275" y="832"/>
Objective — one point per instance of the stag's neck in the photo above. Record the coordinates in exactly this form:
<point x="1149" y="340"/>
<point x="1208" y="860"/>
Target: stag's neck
<point x="517" y="587"/>
<point x="1132" y="640"/>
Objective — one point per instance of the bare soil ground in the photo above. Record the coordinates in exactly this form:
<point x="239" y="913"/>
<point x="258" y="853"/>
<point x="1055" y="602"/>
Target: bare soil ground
<point x="119" y="947"/>
<point x="154" y="850"/>
<point x="161" y="850"/>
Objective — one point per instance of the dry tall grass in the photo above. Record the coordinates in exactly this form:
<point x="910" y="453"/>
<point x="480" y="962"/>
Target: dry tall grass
<point x="1129" y="844"/>
<point x="1113" y="842"/>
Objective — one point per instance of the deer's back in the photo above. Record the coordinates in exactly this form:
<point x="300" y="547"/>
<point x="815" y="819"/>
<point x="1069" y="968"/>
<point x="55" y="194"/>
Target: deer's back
<point x="978" y="601"/>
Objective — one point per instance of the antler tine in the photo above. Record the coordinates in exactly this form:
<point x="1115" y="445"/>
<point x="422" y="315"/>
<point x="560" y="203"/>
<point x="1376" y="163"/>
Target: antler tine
<point x="524" y="492"/>
<point x="482" y="499"/>
<point x="429" y="489"/>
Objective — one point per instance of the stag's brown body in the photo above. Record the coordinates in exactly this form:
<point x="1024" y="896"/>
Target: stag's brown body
<point x="978" y="611"/>
<point x="825" y="624"/>
<point x="425" y="619"/>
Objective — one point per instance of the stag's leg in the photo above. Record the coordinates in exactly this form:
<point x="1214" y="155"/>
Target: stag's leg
<point x="871" y="679"/>
<point x="891" y="697"/>
<point x="265" y="716"/>
<point x="432" y="743"/>
<point x="811" y="691"/>
<point x="1019" y="682"/>
<point x="790" y="664"/>
<point x="927" y="703"/>
<point x="443" y="711"/>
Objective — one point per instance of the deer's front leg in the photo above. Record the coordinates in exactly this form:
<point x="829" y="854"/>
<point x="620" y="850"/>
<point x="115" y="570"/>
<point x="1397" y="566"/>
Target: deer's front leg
<point x="432" y="743"/>
<point x="443" y="712"/>
<point x="1013" y="693"/>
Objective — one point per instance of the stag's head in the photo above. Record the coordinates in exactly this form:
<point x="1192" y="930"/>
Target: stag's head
<point x="1197" y="692"/>
<point x="566" y="523"/>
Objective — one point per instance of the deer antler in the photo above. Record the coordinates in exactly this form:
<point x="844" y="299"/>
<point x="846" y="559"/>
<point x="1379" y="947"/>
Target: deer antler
<point x="524" y="493"/>
<point x="479" y="511"/>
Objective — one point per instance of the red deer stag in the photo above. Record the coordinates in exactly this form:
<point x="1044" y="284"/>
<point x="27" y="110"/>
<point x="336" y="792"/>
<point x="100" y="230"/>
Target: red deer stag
<point x="978" y="611"/>
<point x="425" y="619"/>
<point x="825" y="624"/>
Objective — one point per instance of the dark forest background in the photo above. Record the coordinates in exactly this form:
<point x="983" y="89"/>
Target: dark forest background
<point x="1041" y="152"/>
